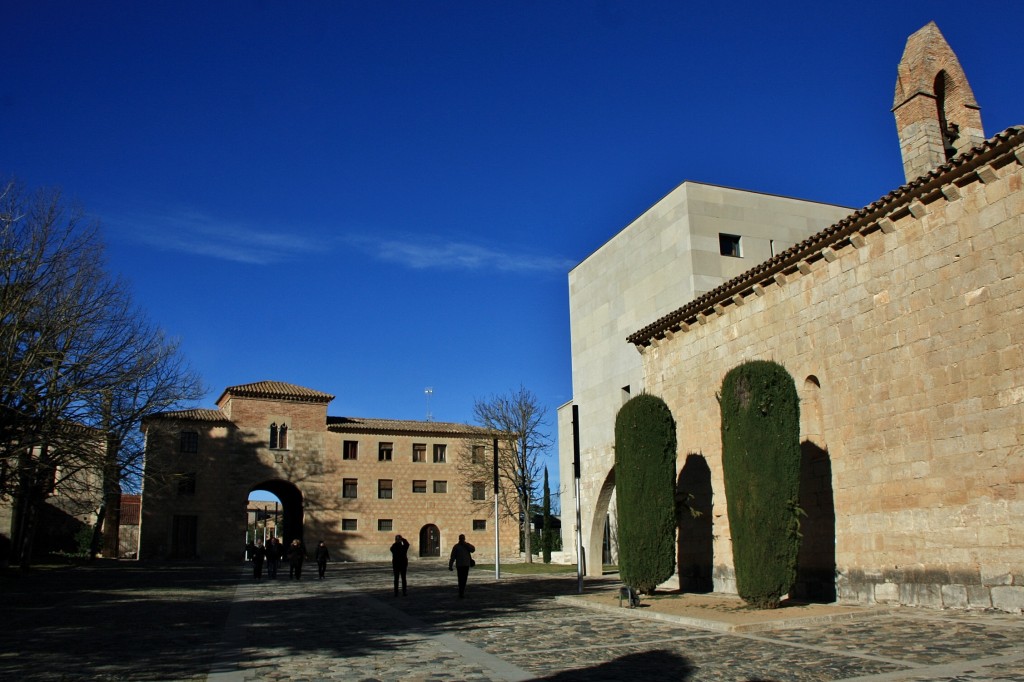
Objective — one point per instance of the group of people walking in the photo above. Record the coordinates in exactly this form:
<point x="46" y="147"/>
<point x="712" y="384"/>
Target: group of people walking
<point x="275" y="551"/>
<point x="295" y="554"/>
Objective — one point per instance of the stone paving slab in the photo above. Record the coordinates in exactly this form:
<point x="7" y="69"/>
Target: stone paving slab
<point x="137" y="622"/>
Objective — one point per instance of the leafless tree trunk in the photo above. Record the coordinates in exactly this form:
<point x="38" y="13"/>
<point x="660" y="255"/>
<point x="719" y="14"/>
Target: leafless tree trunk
<point x="518" y="421"/>
<point x="80" y="363"/>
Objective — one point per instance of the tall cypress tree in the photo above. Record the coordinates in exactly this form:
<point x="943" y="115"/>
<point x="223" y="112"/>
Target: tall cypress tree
<point x="545" y="539"/>
<point x="761" y="461"/>
<point x="645" y="472"/>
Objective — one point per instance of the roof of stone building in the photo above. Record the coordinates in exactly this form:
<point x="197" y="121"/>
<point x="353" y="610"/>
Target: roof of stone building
<point x="277" y="390"/>
<point x="360" y="424"/>
<point x="195" y="415"/>
<point x="873" y="217"/>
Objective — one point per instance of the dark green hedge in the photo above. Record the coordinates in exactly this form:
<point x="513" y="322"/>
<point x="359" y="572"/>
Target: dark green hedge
<point x="761" y="462"/>
<point x="645" y="470"/>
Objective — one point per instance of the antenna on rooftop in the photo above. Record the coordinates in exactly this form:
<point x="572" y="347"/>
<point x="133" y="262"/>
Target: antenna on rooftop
<point x="429" y="391"/>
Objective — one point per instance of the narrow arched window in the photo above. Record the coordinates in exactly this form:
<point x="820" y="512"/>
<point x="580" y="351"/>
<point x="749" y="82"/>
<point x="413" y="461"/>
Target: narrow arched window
<point x="950" y="131"/>
<point x="282" y="441"/>
<point x="273" y="436"/>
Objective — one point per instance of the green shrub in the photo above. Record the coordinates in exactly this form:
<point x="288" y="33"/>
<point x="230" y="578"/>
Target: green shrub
<point x="761" y="462"/>
<point x="645" y="471"/>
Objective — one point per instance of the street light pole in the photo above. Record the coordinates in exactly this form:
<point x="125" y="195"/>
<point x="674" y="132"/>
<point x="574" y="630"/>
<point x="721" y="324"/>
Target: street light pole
<point x="497" y="544"/>
<point x="576" y="476"/>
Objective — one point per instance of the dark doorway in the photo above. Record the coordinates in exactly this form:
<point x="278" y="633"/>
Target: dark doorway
<point x="696" y="543"/>
<point x="184" y="534"/>
<point x="430" y="540"/>
<point x="816" y="561"/>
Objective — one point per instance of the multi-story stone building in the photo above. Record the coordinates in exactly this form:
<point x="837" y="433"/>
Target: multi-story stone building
<point x="355" y="483"/>
<point x="902" y="325"/>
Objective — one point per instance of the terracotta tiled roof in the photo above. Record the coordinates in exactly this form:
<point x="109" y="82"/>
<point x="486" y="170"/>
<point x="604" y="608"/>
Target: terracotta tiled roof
<point x="194" y="415"/>
<point x="362" y="425"/>
<point x="957" y="172"/>
<point x="277" y="390"/>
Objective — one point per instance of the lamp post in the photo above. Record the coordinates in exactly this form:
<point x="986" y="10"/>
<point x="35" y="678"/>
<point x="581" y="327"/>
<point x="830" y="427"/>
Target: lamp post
<point x="497" y="544"/>
<point x="576" y="476"/>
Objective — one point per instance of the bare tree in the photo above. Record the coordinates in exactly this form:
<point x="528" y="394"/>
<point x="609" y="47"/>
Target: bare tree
<point x="79" y="362"/>
<point x="518" y="421"/>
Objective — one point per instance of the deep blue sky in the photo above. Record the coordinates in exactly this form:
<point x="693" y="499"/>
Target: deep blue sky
<point x="370" y="198"/>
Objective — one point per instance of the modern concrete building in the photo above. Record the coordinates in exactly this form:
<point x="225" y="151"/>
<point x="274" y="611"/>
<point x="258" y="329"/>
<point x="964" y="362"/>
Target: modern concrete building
<point x="690" y="242"/>
<point x="352" y="482"/>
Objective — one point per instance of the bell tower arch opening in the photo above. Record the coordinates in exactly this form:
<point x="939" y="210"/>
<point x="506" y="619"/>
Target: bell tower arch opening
<point x="937" y="117"/>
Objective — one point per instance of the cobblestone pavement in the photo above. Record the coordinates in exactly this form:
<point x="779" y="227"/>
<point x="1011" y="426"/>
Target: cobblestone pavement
<point x="132" y="621"/>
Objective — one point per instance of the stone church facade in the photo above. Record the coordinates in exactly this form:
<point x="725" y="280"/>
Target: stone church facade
<point x="902" y="325"/>
<point x="352" y="482"/>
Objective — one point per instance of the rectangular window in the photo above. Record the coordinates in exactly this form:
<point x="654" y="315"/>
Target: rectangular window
<point x="384" y="525"/>
<point x="189" y="442"/>
<point x="479" y="491"/>
<point x="479" y="454"/>
<point x="186" y="484"/>
<point x="440" y="486"/>
<point x="350" y="488"/>
<point x="419" y="486"/>
<point x="729" y="245"/>
<point x="419" y="452"/>
<point x="384" y="489"/>
<point x="479" y="524"/>
<point x="384" y="451"/>
<point x="440" y="450"/>
<point x="349" y="524"/>
<point x="350" y="449"/>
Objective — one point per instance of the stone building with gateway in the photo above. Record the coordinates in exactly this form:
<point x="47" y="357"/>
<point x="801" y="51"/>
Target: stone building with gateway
<point x="352" y="482"/>
<point x="902" y="325"/>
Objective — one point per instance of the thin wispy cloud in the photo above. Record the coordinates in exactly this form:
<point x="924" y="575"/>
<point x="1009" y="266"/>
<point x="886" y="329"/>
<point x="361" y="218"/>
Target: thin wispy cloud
<point x="202" y="235"/>
<point x="455" y="255"/>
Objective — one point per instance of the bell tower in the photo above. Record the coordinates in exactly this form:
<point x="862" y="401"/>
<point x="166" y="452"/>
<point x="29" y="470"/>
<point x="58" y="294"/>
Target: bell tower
<point x="936" y="115"/>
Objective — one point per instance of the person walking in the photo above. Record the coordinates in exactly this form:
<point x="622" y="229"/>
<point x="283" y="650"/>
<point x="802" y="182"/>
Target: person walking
<point x="322" y="556"/>
<point x="462" y="557"/>
<point x="257" y="555"/>
<point x="296" y="555"/>
<point x="273" y="556"/>
<point x="400" y="561"/>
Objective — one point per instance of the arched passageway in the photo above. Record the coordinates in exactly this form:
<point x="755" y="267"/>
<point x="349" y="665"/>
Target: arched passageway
<point x="604" y="545"/>
<point x="290" y="522"/>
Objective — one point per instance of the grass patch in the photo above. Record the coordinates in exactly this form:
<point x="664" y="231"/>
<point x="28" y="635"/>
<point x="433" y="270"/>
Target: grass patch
<point x="536" y="568"/>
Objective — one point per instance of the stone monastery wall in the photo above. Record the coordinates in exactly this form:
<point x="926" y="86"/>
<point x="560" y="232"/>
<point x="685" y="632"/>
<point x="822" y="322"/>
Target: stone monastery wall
<point x="903" y="328"/>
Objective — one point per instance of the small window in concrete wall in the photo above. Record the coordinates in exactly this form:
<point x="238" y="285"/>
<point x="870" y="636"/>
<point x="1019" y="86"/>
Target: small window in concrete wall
<point x="440" y="453"/>
<point x="350" y="449"/>
<point x="384" y="452"/>
<point x="384" y="489"/>
<point x="440" y="486"/>
<point x="419" y="452"/>
<point x="350" y="488"/>
<point x="729" y="245"/>
<point x="479" y="454"/>
<point x="479" y="524"/>
<point x="384" y="525"/>
<point x="349" y="524"/>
